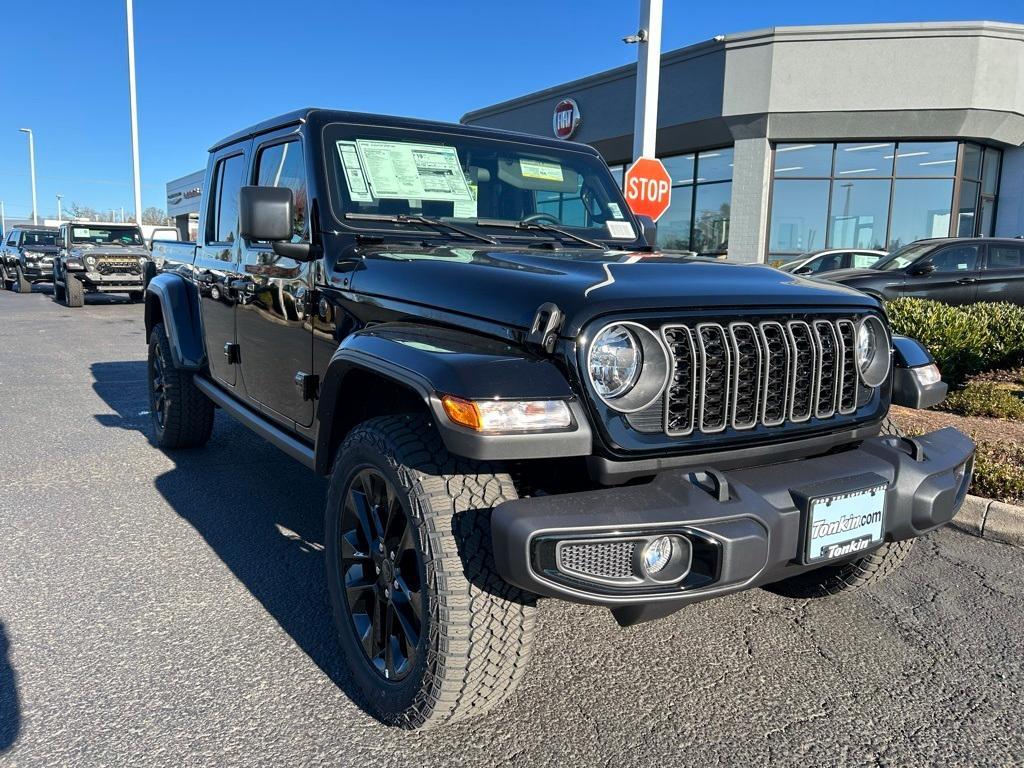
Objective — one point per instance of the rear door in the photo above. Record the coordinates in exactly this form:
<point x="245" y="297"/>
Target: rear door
<point x="218" y="259"/>
<point x="1002" y="279"/>
<point x="274" y="334"/>
<point x="955" y="278"/>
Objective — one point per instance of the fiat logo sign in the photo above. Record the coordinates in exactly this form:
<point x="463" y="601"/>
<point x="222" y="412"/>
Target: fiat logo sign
<point x="566" y="119"/>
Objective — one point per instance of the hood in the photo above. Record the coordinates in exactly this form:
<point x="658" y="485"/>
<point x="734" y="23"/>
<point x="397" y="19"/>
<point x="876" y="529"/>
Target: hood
<point x="49" y="250"/>
<point x="508" y="285"/>
<point x="80" y="249"/>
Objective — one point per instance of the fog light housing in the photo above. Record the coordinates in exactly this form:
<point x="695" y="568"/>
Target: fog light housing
<point x="657" y="554"/>
<point x="927" y="374"/>
<point x="90" y="260"/>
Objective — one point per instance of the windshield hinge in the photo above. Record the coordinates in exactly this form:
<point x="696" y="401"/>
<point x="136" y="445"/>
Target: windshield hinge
<point x="546" y="323"/>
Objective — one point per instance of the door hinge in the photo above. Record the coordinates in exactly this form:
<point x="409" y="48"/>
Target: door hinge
<point x="233" y="352"/>
<point x="308" y="385"/>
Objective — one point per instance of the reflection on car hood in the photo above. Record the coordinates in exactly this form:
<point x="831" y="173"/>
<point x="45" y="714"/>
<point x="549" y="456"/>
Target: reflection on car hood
<point x="841" y="275"/>
<point x="508" y="285"/>
<point x="126" y="251"/>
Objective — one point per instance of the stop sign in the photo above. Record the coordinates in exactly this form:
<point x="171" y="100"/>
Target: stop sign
<point x="648" y="188"/>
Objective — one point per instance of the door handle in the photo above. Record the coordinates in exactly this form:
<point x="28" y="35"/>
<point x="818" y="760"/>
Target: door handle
<point x="966" y="280"/>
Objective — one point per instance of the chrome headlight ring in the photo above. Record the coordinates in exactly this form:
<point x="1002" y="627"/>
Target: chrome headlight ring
<point x="633" y="390"/>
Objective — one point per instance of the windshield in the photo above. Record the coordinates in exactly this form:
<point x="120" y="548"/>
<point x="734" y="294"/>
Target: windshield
<point x="904" y="257"/>
<point x="30" y="239"/>
<point x="467" y="180"/>
<point x="106" y="235"/>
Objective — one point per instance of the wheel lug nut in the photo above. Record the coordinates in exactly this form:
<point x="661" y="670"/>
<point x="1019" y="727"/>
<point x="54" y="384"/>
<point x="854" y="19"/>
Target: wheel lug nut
<point x="392" y="555"/>
<point x="387" y="592"/>
<point x="396" y="585"/>
<point x="380" y="546"/>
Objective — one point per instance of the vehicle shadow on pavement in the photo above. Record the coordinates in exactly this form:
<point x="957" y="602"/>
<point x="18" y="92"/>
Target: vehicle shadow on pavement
<point x="10" y="710"/>
<point x="260" y="511"/>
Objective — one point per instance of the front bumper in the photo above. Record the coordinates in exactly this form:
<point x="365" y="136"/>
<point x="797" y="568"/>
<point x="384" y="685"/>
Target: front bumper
<point x="744" y="527"/>
<point x="114" y="283"/>
<point x="36" y="271"/>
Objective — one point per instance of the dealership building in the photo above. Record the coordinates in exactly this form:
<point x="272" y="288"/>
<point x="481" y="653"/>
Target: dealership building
<point x="792" y="139"/>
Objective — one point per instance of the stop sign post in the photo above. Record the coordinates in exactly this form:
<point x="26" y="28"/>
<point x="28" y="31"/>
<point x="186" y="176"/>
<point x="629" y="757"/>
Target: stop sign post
<point x="648" y="188"/>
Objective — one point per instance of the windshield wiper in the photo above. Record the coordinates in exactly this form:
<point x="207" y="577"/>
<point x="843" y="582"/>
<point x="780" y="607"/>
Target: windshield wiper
<point x="537" y="226"/>
<point x="406" y="218"/>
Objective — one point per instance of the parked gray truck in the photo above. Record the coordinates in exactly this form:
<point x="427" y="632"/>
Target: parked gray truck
<point x="96" y="257"/>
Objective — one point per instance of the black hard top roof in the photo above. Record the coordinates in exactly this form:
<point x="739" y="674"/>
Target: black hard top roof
<point x="33" y="228"/>
<point x="324" y="116"/>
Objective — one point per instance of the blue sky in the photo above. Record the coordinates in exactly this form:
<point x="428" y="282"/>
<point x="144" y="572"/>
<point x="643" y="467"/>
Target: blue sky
<point x="207" y="68"/>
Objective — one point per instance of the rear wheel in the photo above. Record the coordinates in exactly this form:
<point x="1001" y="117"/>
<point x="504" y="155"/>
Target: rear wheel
<point x="856" y="574"/>
<point x="430" y="631"/>
<point x="182" y="415"/>
<point x="74" y="291"/>
<point x="3" y="276"/>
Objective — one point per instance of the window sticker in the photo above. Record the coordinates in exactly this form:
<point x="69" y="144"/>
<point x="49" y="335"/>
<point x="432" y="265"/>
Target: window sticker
<point x="616" y="211"/>
<point x="535" y="169"/>
<point x="354" y="176"/>
<point x="79" y="231"/>
<point x="466" y="209"/>
<point x="401" y="170"/>
<point x="621" y="230"/>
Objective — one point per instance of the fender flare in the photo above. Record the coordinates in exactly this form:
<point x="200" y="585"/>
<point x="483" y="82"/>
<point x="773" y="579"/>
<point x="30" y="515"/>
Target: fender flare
<point x="171" y="298"/>
<point x="907" y="389"/>
<point x="431" y="362"/>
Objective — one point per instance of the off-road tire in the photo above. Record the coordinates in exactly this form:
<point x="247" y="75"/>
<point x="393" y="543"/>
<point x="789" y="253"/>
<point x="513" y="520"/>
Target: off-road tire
<point x="188" y="417"/>
<point x="3" y="277"/>
<point x="478" y="630"/>
<point x="74" y="291"/>
<point x="136" y="296"/>
<point x="59" y="291"/>
<point x="862" y="572"/>
<point x="21" y="285"/>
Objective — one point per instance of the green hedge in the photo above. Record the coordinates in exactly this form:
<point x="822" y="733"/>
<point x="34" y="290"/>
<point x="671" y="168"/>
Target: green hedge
<point x="963" y="340"/>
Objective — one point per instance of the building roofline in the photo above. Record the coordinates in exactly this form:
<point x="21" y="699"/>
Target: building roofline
<point x="765" y="36"/>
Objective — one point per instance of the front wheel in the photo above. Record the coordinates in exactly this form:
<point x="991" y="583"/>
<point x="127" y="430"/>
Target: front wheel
<point x="136" y="296"/>
<point x="21" y="285"/>
<point x="74" y="291"/>
<point x="430" y="631"/>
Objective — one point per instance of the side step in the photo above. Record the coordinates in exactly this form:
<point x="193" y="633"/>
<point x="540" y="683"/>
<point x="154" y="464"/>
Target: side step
<point x="263" y="427"/>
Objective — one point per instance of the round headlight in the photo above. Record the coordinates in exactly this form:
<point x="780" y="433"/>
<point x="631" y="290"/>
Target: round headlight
<point x="615" y="360"/>
<point x="90" y="260"/>
<point x="873" y="354"/>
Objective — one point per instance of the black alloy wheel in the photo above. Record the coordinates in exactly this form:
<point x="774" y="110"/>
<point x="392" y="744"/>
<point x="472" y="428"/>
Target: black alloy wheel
<point x="381" y="573"/>
<point x="158" y="400"/>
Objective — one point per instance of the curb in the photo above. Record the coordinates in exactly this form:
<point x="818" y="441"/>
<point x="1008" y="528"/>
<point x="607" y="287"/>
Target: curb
<point x="995" y="520"/>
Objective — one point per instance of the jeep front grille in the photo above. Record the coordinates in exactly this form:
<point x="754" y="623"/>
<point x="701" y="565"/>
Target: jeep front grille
<point x="601" y="560"/>
<point x="744" y="374"/>
<point x="117" y="265"/>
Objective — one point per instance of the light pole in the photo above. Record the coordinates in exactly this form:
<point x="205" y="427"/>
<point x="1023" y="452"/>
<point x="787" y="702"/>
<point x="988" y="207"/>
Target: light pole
<point x="134" y="112"/>
<point x="3" y="219"/>
<point x="648" y="74"/>
<point x="60" y="212"/>
<point x="32" y="168"/>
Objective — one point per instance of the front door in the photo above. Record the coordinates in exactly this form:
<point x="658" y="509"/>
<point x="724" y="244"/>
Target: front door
<point x="955" y="277"/>
<point x="1003" y="276"/>
<point x="217" y="263"/>
<point x="274" y="333"/>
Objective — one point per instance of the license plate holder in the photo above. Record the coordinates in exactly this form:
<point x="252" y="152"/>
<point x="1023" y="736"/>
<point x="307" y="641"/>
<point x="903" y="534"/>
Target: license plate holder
<point x="842" y="519"/>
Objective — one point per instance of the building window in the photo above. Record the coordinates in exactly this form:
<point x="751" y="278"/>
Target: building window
<point x="698" y="219"/>
<point x="879" y="194"/>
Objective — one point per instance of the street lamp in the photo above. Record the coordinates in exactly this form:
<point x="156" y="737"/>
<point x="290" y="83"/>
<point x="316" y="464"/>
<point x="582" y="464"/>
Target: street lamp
<point x="134" y="112"/>
<point x="32" y="168"/>
<point x="60" y="216"/>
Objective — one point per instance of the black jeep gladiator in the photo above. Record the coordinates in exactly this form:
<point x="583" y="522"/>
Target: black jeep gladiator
<point x="99" y="257"/>
<point x="26" y="257"/>
<point x="515" y="396"/>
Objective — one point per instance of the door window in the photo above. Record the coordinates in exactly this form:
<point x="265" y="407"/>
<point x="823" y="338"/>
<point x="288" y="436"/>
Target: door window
<point x="12" y="239"/>
<point x="223" y="223"/>
<point x="826" y="263"/>
<point x="864" y="260"/>
<point x="1005" y="256"/>
<point x="960" y="258"/>
<point x="282" y="165"/>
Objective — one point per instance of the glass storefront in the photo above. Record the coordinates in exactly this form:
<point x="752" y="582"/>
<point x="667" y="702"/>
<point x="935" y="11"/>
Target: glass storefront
<point x="878" y="194"/>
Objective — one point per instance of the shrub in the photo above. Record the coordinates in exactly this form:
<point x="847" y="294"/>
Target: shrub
<point x="963" y="340"/>
<point x="999" y="472"/>
<point x="984" y="398"/>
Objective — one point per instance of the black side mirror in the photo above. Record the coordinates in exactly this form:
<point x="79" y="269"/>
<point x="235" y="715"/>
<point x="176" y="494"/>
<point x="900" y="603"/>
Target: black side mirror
<point x="925" y="268"/>
<point x="649" y="230"/>
<point x="265" y="213"/>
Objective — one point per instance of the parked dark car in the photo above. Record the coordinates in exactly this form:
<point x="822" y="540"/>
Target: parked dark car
<point x="514" y="396"/>
<point x="952" y="270"/>
<point x="97" y="257"/>
<point x="832" y="259"/>
<point x="26" y="257"/>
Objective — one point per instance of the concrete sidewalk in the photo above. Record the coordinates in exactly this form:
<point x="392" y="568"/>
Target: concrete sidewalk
<point x="990" y="519"/>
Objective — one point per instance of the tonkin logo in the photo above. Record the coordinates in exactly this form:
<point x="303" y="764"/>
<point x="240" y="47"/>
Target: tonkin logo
<point x="838" y="550"/>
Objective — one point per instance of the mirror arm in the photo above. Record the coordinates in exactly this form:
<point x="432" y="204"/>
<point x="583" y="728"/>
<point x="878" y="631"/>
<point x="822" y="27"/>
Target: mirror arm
<point x="296" y="251"/>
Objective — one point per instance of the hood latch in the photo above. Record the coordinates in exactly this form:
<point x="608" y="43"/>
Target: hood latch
<point x="546" y="323"/>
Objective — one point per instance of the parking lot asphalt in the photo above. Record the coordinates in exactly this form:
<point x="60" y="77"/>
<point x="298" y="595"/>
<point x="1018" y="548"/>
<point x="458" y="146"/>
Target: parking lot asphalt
<point x="169" y="609"/>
